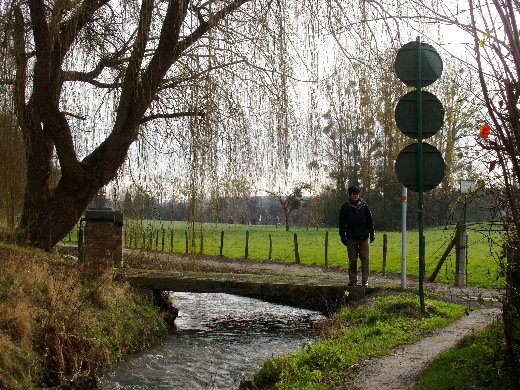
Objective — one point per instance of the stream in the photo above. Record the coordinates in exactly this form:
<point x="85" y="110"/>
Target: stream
<point x="220" y="339"/>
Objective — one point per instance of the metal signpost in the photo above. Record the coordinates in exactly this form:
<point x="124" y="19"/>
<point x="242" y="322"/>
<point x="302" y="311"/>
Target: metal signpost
<point x="404" y="200"/>
<point x="419" y="115"/>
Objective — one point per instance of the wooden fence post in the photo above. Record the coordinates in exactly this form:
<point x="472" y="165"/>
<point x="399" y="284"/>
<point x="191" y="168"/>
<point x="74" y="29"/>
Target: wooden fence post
<point x="270" y="247"/>
<point x="187" y="243"/>
<point x="443" y="258"/>
<point x="201" y="242"/>
<point x="460" y="250"/>
<point x="162" y="241"/>
<point x="296" y="252"/>
<point x="246" y="254"/>
<point x="172" y="234"/>
<point x="221" y="242"/>
<point x="327" y="248"/>
<point x="385" y="250"/>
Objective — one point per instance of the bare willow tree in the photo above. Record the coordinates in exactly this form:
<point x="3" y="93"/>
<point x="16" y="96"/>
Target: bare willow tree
<point x="90" y="79"/>
<point x="12" y="169"/>
<point x="131" y="53"/>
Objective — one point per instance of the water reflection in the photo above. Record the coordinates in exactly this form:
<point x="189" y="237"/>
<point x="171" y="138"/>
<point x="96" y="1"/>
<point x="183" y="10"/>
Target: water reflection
<point x="220" y="339"/>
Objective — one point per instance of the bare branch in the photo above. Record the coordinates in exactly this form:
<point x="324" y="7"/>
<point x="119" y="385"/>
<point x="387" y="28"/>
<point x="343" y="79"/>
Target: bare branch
<point x="73" y="25"/>
<point x="196" y="76"/>
<point x="46" y="90"/>
<point x="213" y="20"/>
<point x="74" y="115"/>
<point x="174" y="115"/>
<point x="107" y="62"/>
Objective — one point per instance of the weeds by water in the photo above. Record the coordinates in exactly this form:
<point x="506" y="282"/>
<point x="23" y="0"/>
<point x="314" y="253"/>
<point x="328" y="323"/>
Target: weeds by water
<point x="59" y="328"/>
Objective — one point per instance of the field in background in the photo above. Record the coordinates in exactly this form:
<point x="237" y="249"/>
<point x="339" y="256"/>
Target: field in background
<point x="482" y="255"/>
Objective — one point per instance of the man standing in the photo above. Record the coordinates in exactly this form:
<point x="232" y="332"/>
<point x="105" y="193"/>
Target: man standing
<point x="356" y="226"/>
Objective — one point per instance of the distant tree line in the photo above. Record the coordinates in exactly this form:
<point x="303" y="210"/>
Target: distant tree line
<point x="319" y="212"/>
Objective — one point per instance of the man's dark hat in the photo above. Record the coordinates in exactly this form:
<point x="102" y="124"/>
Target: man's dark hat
<point x="352" y="189"/>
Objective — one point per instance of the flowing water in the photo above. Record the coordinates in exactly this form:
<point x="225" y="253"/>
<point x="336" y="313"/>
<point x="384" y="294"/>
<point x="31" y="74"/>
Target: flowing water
<point x="220" y="339"/>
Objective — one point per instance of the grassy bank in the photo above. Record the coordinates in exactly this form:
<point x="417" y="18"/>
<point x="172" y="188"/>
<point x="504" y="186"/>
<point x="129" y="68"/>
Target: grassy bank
<point x="353" y="335"/>
<point x="484" y="246"/>
<point x="59" y="328"/>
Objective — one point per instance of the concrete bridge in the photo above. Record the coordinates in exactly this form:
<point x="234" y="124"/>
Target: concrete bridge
<point x="322" y="293"/>
<point x="313" y="293"/>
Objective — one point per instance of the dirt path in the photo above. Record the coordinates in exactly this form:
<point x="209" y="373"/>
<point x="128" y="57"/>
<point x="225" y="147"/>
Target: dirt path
<point x="400" y="370"/>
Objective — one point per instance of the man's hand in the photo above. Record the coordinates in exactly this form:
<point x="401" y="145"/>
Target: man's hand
<point x="372" y="237"/>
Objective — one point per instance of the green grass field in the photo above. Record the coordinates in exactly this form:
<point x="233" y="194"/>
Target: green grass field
<point x="482" y="255"/>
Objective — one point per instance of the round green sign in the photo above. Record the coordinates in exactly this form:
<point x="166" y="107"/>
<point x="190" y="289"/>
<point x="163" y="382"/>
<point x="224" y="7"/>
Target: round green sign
<point x="406" y="114"/>
<point x="406" y="167"/>
<point x="406" y="64"/>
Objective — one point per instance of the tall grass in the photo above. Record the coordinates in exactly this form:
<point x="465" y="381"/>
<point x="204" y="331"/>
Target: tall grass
<point x="58" y="328"/>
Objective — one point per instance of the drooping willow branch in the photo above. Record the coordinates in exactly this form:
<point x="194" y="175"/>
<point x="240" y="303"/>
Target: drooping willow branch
<point x="173" y="115"/>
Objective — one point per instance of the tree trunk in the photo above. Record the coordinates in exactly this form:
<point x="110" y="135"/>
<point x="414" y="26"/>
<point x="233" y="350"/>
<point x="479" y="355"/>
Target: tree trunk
<point x="50" y="213"/>
<point x="38" y="176"/>
<point x="44" y="224"/>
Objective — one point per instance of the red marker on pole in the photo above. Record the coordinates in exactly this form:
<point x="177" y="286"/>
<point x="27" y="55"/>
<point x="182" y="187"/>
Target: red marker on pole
<point x="485" y="129"/>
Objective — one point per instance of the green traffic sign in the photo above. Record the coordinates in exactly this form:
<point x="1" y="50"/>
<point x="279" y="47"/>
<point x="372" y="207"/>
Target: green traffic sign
<point x="406" y="64"/>
<point x="406" y="167"/>
<point x="432" y="114"/>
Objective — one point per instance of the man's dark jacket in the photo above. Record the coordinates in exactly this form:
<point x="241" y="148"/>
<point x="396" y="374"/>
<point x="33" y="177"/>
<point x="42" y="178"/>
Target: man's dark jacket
<point x="355" y="220"/>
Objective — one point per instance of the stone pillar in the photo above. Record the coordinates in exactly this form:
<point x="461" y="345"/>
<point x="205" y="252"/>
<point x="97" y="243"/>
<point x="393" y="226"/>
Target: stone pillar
<point x="99" y="244"/>
<point x="118" y="239"/>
